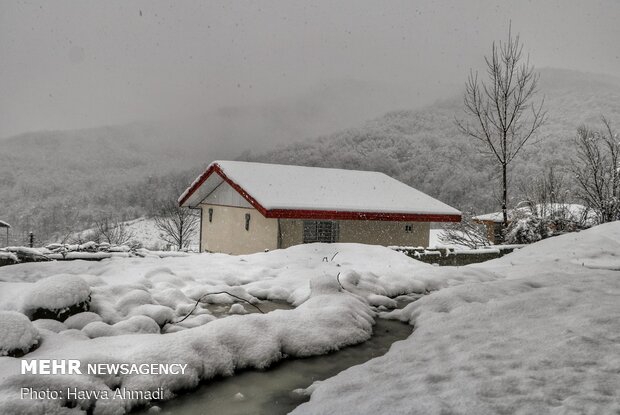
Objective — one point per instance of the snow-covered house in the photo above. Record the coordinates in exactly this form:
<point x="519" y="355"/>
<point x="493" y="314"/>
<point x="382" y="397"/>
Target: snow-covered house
<point x="568" y="211"/>
<point x="250" y="207"/>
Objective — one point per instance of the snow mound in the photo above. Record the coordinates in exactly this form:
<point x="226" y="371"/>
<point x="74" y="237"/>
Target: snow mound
<point x="78" y="321"/>
<point x="57" y="293"/>
<point x="237" y="309"/>
<point x="17" y="334"/>
<point x="49" y="324"/>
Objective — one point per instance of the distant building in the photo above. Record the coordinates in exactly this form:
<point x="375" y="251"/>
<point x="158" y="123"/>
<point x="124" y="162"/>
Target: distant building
<point x="5" y="225"/>
<point x="250" y="207"/>
<point x="568" y="211"/>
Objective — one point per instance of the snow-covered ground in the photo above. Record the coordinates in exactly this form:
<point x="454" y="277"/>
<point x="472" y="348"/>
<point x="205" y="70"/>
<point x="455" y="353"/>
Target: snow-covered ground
<point x="542" y="337"/>
<point x="533" y="332"/>
<point x="134" y="300"/>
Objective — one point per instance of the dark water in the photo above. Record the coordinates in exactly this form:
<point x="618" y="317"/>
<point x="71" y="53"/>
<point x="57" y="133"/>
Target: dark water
<point x="270" y="391"/>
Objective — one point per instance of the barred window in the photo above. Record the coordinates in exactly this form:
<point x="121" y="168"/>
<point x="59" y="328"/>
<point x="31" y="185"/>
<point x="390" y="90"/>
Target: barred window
<point x="321" y="231"/>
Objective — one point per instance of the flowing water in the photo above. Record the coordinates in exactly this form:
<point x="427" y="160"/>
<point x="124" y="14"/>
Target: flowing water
<point x="271" y="391"/>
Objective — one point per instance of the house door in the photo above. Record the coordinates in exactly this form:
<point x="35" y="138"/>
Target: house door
<point x="321" y="231"/>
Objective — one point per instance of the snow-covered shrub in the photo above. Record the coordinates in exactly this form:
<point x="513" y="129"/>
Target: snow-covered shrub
<point x="17" y="334"/>
<point x="527" y="230"/>
<point x="57" y="297"/>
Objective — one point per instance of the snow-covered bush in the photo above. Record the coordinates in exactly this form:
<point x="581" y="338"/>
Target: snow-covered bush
<point x="57" y="297"/>
<point x="17" y="334"/>
<point x="527" y="230"/>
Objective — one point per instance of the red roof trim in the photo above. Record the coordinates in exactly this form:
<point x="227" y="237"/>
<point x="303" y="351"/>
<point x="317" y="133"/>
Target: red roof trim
<point x="343" y="215"/>
<point x="317" y="214"/>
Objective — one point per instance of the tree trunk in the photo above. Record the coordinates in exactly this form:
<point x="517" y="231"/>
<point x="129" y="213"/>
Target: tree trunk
<point x="504" y="196"/>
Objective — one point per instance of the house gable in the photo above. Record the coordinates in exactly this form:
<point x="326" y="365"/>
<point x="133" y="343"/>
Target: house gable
<point x="225" y="195"/>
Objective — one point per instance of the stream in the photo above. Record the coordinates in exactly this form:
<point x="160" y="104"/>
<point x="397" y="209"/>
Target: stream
<point x="270" y="391"/>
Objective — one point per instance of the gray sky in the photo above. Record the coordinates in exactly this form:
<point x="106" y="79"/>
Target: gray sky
<point x="73" y="64"/>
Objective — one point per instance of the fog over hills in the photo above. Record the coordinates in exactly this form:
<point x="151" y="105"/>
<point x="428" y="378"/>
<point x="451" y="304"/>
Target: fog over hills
<point x="424" y="148"/>
<point x="54" y="182"/>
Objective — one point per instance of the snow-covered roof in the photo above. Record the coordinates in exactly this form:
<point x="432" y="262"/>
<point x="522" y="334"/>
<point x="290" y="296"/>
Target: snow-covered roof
<point x="319" y="193"/>
<point x="573" y="211"/>
<point x="3" y="224"/>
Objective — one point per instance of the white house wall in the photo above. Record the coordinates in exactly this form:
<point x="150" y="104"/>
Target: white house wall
<point x="226" y="232"/>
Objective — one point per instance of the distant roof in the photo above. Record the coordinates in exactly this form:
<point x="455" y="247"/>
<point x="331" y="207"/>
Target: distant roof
<point x="280" y="191"/>
<point x="3" y="224"/>
<point x="573" y="211"/>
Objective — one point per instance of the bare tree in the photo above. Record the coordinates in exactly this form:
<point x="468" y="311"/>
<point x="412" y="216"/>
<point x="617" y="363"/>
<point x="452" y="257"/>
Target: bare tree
<point x="504" y="118"/>
<point x="466" y="232"/>
<point x="597" y="170"/>
<point x="112" y="231"/>
<point x="176" y="223"/>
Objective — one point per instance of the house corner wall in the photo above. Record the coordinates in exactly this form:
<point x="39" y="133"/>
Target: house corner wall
<point x="226" y="232"/>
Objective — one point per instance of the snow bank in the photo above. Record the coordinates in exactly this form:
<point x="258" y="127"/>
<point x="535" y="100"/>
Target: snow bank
<point x="328" y="320"/>
<point x="540" y="338"/>
<point x="17" y="334"/>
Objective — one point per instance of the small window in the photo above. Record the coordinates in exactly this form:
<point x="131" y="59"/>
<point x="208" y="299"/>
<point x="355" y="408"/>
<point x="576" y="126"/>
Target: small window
<point x="247" y="221"/>
<point x="408" y="228"/>
<point x="210" y="214"/>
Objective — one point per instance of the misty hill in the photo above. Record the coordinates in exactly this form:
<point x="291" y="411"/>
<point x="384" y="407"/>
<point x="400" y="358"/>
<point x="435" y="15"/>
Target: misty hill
<point x="59" y="181"/>
<point x="56" y="182"/>
<point x="424" y="148"/>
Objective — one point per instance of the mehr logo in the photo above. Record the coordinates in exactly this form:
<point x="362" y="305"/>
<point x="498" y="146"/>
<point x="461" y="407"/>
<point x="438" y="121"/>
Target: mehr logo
<point x="74" y="367"/>
<point x="51" y="367"/>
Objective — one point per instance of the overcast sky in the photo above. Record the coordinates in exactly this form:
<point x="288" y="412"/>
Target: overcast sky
<point x="73" y="64"/>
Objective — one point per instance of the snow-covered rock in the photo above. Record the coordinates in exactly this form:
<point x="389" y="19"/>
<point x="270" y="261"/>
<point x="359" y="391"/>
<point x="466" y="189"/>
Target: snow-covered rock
<point x="57" y="296"/>
<point x="17" y="334"/>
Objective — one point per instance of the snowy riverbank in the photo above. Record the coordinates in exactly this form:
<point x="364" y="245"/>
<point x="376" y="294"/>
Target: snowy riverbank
<point x="543" y="338"/>
<point x="533" y="332"/>
<point x="133" y="301"/>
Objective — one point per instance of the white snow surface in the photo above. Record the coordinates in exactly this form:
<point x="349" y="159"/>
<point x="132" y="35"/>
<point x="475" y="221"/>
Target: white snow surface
<point x="542" y="337"/>
<point x="136" y="298"/>
<point x="276" y="186"/>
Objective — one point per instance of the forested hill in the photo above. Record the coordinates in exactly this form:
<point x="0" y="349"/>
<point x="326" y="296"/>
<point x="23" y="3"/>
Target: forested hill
<point x="56" y="182"/>
<point x="424" y="148"/>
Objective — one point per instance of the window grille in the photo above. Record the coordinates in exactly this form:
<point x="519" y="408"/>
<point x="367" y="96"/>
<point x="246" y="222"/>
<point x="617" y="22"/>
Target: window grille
<point x="321" y="231"/>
